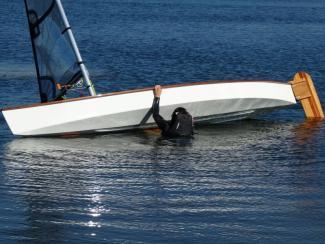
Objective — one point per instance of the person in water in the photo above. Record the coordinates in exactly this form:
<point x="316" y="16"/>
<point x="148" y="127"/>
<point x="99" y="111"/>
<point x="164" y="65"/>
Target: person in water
<point x="181" y="123"/>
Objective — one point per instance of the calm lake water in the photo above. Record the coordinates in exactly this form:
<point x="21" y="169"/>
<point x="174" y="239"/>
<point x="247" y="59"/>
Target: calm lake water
<point x="260" y="180"/>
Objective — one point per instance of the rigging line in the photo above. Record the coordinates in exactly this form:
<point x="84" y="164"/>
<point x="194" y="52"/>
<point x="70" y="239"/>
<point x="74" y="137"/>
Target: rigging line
<point x="68" y="85"/>
<point x="74" y="78"/>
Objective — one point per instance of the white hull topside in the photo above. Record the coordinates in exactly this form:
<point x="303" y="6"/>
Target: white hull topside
<point x="208" y="102"/>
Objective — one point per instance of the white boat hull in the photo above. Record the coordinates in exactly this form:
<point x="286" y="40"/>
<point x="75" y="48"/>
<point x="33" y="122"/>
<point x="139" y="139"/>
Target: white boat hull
<point x="210" y="102"/>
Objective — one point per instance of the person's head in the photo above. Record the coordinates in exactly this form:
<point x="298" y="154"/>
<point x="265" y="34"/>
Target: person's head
<point x="181" y="123"/>
<point x="179" y="110"/>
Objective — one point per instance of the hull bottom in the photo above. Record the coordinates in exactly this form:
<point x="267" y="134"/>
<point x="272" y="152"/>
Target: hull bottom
<point x="199" y="121"/>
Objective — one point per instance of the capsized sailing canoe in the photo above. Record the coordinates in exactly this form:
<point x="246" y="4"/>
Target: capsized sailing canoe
<point x="208" y="102"/>
<point x="60" y="69"/>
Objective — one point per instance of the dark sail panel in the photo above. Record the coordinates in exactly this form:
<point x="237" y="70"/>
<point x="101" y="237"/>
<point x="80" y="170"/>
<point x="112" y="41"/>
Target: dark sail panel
<point x="56" y="63"/>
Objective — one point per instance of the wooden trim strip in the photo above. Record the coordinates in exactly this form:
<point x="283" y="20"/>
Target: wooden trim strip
<point x="137" y="90"/>
<point x="305" y="92"/>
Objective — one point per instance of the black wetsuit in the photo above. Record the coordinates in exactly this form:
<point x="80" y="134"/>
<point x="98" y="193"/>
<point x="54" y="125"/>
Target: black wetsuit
<point x="177" y="127"/>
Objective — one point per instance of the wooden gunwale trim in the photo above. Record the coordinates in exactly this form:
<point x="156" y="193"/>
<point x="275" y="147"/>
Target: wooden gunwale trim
<point x="138" y="90"/>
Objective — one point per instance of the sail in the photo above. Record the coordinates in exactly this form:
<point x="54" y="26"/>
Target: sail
<point x="57" y="65"/>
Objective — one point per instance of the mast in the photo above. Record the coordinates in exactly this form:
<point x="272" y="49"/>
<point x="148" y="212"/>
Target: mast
<point x="72" y="40"/>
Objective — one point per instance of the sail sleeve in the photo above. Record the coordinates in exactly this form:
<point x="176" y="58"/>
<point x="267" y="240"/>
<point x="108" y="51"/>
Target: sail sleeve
<point x="57" y="67"/>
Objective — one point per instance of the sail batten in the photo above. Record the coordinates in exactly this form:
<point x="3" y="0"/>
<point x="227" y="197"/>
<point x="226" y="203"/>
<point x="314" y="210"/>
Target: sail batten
<point x="57" y="59"/>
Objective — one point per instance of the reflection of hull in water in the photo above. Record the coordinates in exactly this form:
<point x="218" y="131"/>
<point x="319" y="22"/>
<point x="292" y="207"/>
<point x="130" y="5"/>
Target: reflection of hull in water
<point x="227" y="136"/>
<point x="209" y="102"/>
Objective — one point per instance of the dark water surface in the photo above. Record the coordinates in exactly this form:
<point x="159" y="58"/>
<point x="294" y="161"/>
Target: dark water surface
<point x="259" y="180"/>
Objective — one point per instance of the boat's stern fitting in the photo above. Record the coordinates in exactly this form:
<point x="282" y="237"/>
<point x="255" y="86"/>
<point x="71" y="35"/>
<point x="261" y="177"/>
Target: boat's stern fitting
<point x="305" y="92"/>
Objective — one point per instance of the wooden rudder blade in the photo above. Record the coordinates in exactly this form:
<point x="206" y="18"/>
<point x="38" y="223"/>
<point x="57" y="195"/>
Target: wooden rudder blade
<point x="305" y="92"/>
